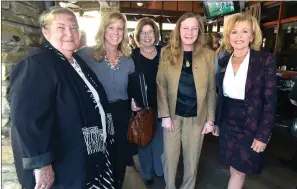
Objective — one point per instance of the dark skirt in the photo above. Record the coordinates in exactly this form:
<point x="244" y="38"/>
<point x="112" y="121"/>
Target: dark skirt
<point x="234" y="143"/>
<point x="121" y="113"/>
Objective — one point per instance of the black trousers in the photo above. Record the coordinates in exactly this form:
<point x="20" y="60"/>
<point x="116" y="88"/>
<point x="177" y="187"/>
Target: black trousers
<point x="121" y="113"/>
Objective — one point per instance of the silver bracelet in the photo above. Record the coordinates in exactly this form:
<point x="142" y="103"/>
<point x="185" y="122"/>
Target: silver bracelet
<point x="41" y="169"/>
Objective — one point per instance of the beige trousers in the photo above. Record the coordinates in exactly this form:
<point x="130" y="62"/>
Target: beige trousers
<point x="188" y="133"/>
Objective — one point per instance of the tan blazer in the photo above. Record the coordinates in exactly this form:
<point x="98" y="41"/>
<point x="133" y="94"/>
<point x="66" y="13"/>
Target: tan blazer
<point x="204" y="77"/>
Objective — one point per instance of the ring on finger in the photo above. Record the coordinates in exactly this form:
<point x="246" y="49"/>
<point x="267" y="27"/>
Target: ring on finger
<point x="43" y="186"/>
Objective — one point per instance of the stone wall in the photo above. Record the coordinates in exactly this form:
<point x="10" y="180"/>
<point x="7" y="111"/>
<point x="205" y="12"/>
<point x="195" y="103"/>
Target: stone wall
<point x="20" y="36"/>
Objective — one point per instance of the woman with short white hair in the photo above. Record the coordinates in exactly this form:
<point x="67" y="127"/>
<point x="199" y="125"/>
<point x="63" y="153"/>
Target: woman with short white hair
<point x="61" y="133"/>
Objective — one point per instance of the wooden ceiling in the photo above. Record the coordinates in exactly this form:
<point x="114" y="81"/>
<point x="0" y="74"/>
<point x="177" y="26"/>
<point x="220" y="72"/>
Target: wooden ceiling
<point x="165" y="11"/>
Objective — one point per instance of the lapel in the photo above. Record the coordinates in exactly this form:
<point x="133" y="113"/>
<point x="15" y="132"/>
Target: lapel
<point x="199" y="69"/>
<point x="222" y="64"/>
<point x="173" y="73"/>
<point x="68" y="72"/>
<point x="177" y="71"/>
<point x="254" y="66"/>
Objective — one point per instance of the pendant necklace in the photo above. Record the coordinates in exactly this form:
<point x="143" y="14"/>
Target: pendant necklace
<point x="114" y="66"/>
<point x="188" y="64"/>
<point x="147" y="51"/>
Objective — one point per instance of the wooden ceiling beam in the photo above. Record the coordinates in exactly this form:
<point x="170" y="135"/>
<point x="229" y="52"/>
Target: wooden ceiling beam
<point x="128" y="9"/>
<point x="268" y="3"/>
<point x="156" y="19"/>
<point x="152" y="12"/>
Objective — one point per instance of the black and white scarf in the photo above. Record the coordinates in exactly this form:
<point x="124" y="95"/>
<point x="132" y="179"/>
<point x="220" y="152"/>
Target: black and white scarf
<point x="98" y="129"/>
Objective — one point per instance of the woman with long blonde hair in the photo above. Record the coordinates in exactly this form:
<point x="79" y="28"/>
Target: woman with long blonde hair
<point x="110" y="60"/>
<point x="186" y="96"/>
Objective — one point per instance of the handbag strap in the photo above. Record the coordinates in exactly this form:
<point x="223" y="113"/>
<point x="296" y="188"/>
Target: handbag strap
<point x="143" y="86"/>
<point x="141" y="75"/>
<point x="144" y="91"/>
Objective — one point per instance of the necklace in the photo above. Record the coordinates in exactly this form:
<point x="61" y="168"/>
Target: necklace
<point x="238" y="57"/>
<point x="113" y="65"/>
<point x="187" y="64"/>
<point x="148" y="52"/>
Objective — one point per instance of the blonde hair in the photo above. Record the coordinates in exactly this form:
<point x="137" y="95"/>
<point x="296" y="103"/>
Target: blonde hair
<point x="140" y="24"/>
<point x="256" y="31"/>
<point x="175" y="43"/>
<point x="48" y="15"/>
<point x="106" y="20"/>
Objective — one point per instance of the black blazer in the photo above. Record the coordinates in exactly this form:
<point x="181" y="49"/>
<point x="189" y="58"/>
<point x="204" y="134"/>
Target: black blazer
<point x="260" y="94"/>
<point x="47" y="117"/>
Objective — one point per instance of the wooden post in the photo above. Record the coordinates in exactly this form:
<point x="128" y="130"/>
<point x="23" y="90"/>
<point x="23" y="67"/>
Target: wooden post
<point x="205" y="28"/>
<point x="280" y="14"/>
<point x="210" y="27"/>
<point x="218" y="26"/>
<point x="161" y="27"/>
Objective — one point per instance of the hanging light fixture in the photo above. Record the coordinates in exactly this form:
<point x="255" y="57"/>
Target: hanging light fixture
<point x="139" y="3"/>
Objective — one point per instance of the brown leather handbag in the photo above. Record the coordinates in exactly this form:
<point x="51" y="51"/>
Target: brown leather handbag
<point x="142" y="127"/>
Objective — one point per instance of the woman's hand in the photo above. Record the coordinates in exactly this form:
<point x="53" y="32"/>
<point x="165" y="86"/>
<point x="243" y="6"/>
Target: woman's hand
<point x="216" y="131"/>
<point x="258" y="146"/>
<point x="167" y="124"/>
<point x="44" y="177"/>
<point x="208" y="127"/>
<point x="134" y="107"/>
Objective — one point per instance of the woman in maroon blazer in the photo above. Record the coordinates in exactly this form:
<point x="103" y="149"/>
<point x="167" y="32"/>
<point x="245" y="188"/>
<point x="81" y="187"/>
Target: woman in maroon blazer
<point x="246" y="99"/>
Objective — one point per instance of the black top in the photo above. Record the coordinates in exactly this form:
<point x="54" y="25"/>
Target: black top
<point x="149" y="67"/>
<point x="186" y="105"/>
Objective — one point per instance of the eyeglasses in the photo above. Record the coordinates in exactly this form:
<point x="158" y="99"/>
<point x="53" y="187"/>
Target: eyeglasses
<point x="149" y="33"/>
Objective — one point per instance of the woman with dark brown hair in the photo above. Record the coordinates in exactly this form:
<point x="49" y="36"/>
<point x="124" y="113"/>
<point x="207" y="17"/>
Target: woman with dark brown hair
<point x="146" y="58"/>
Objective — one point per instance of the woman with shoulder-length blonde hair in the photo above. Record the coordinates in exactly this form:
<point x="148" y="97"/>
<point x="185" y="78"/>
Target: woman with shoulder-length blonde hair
<point x="246" y="104"/>
<point x="186" y="95"/>
<point x="100" y="48"/>
<point x="110" y="60"/>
